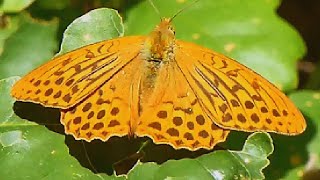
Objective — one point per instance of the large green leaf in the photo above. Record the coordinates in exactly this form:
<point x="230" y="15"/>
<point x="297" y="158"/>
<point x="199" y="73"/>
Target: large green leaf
<point x="245" y="164"/>
<point x="97" y="25"/>
<point x="248" y="31"/>
<point x="28" y="47"/>
<point x="296" y="156"/>
<point x="309" y="103"/>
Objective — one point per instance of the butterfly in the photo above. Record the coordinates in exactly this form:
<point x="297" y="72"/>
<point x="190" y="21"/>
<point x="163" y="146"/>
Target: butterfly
<point x="174" y="92"/>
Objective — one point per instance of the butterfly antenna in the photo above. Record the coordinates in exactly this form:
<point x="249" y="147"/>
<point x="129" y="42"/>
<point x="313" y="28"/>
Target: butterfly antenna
<point x="155" y="8"/>
<point x="184" y="8"/>
<point x="144" y="144"/>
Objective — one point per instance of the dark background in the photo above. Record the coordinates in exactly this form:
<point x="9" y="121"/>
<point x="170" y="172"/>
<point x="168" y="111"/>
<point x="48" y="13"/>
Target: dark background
<point x="304" y="15"/>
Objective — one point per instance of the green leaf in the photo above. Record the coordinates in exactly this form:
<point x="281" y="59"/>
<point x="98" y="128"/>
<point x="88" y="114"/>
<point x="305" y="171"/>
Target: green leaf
<point x="28" y="47"/>
<point x="97" y="25"/>
<point x="246" y="30"/>
<point x="308" y="102"/>
<point x="38" y="152"/>
<point x="11" y="24"/>
<point x="6" y="101"/>
<point x="12" y="6"/>
<point x="245" y="164"/>
<point x="294" y="155"/>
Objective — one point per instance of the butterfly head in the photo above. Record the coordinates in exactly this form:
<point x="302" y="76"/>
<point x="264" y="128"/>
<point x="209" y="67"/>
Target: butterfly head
<point x="160" y="43"/>
<point x="165" y="27"/>
<point x="164" y="32"/>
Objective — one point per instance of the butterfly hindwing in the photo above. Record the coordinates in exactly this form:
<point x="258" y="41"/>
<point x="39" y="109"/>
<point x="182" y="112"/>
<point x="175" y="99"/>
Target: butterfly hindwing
<point x="175" y="116"/>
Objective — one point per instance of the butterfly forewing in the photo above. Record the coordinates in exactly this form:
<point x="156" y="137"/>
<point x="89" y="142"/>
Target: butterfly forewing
<point x="67" y="79"/>
<point x="235" y="96"/>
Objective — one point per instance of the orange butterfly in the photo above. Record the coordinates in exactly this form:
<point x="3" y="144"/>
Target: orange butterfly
<point x="172" y="91"/>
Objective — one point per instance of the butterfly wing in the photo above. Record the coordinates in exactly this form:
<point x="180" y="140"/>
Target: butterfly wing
<point x="174" y="114"/>
<point x="69" y="78"/>
<point x="109" y="110"/>
<point x="234" y="96"/>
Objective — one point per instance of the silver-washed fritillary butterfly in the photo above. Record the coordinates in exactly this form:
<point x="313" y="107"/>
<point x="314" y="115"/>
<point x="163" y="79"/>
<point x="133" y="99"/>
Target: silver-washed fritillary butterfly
<point x="172" y="91"/>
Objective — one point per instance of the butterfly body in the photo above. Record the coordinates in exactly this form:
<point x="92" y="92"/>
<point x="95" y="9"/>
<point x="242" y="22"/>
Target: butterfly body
<point x="157" y="55"/>
<point x="172" y="91"/>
